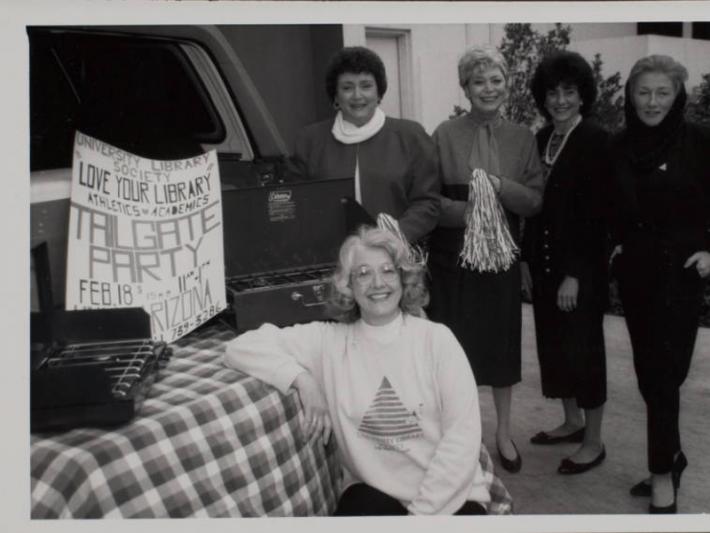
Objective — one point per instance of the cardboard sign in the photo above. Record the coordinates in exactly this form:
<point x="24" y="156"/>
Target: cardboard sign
<point x="146" y="233"/>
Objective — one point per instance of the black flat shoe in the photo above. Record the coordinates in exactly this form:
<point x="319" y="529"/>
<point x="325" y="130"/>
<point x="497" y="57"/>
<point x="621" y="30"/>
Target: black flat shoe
<point x="544" y="438"/>
<point x="513" y="465"/>
<point x="568" y="467"/>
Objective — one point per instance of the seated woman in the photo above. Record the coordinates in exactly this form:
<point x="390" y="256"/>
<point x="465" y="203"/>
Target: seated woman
<point x="396" y="390"/>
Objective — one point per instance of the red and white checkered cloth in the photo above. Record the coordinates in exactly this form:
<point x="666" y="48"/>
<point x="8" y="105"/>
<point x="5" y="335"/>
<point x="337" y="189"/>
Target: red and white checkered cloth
<point x="501" y="501"/>
<point x="208" y="442"/>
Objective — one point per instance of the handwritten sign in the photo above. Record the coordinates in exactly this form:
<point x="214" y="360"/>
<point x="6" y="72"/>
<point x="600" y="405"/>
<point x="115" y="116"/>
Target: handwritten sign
<point x="146" y="233"/>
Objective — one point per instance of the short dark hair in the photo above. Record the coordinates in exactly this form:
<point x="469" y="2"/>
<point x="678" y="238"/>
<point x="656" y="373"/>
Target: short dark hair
<point x="355" y="60"/>
<point x="564" y="68"/>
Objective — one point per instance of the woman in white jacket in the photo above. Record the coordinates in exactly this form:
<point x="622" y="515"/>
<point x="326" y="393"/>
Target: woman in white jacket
<point x="396" y="390"/>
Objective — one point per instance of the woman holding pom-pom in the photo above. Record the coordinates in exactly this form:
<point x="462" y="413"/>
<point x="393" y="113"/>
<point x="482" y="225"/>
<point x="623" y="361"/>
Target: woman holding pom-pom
<point x="491" y="175"/>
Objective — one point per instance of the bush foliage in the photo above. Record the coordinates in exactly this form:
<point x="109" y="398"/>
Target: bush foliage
<point x="523" y="48"/>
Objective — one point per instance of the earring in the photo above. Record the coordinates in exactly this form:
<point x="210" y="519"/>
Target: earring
<point x="336" y="105"/>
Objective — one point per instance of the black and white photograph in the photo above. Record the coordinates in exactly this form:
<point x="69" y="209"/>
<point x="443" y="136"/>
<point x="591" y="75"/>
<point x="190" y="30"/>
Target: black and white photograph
<point x="319" y="265"/>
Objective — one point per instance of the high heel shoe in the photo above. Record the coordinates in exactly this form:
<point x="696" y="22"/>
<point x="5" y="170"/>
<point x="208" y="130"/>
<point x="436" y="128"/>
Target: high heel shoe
<point x="681" y="461"/>
<point x="642" y="489"/>
<point x="666" y="509"/>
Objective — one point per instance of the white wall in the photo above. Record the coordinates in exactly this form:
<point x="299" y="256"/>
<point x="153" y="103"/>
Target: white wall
<point x="436" y="49"/>
<point x="619" y="54"/>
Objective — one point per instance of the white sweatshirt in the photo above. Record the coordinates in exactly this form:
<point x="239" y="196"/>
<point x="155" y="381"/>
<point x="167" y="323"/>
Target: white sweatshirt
<point x="402" y="399"/>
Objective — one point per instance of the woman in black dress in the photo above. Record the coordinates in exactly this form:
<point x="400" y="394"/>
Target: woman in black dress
<point x="661" y="229"/>
<point x="565" y="257"/>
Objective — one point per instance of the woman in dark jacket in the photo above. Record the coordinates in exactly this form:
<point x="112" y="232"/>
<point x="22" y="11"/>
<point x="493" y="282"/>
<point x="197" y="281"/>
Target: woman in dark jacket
<point x="392" y="160"/>
<point x="661" y="229"/>
<point x="565" y="249"/>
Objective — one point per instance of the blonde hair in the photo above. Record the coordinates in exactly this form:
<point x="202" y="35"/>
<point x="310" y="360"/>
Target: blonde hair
<point x="341" y="302"/>
<point x="480" y="57"/>
<point x="663" y="64"/>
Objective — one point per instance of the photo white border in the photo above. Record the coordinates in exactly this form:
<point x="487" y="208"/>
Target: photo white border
<point x="15" y="15"/>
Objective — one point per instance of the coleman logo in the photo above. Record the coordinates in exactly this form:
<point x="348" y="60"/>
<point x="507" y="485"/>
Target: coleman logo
<point x="280" y="196"/>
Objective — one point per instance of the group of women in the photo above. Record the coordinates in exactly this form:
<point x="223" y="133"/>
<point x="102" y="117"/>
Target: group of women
<point x="399" y="391"/>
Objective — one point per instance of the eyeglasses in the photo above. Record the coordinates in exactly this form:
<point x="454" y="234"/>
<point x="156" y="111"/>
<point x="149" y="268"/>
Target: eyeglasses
<point x="364" y="275"/>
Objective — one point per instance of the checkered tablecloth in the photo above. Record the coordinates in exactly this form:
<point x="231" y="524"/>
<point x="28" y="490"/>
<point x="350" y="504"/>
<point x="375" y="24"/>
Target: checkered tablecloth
<point x="208" y="442"/>
<point x="501" y="501"/>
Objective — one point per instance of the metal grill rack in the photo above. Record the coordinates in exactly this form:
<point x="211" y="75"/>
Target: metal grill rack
<point x="128" y="363"/>
<point x="277" y="279"/>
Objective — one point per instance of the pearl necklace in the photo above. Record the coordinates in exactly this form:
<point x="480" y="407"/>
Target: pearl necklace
<point x="550" y="160"/>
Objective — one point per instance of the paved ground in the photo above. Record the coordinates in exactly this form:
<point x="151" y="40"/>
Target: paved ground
<point x="538" y="489"/>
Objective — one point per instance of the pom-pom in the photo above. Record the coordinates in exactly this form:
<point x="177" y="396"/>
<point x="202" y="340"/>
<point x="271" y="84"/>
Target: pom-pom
<point x="387" y="222"/>
<point x="488" y="245"/>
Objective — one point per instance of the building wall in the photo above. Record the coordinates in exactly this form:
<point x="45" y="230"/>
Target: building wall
<point x="619" y="54"/>
<point x="437" y="47"/>
<point x="435" y="50"/>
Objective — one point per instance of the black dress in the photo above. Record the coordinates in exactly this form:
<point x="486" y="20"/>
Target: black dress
<point x="568" y="238"/>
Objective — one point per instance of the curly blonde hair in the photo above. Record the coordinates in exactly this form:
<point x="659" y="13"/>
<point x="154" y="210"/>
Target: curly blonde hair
<point x="341" y="303"/>
<point x="483" y="56"/>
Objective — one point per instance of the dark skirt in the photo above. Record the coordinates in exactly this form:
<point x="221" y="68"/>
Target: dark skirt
<point x="484" y="312"/>
<point x="570" y="348"/>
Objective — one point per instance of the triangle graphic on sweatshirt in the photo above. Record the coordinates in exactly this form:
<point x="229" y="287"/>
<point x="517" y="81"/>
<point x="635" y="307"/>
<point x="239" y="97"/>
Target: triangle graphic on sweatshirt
<point x="387" y="419"/>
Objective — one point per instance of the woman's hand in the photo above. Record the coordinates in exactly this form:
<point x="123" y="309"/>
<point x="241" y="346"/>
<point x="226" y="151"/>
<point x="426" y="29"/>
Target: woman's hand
<point x="567" y="294"/>
<point x="526" y="279"/>
<point x="495" y="182"/>
<point x="701" y="260"/>
<point x="316" y="417"/>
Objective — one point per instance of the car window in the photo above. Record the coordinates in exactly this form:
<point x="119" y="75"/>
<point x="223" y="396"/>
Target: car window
<point x="140" y="94"/>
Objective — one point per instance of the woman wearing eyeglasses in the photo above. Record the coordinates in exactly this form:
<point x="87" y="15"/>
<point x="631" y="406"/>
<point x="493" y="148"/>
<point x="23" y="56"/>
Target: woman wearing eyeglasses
<point x="394" y="389"/>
